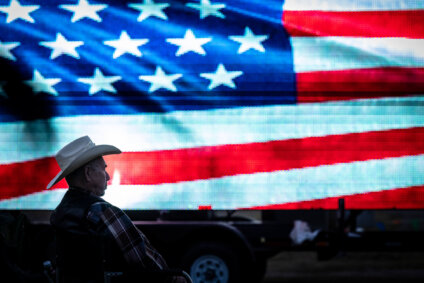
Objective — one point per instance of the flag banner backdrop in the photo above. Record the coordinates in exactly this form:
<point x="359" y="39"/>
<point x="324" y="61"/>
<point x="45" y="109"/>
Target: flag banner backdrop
<point x="217" y="104"/>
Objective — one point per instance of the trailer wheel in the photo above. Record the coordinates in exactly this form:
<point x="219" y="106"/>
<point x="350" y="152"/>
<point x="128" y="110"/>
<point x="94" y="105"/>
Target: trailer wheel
<point x="212" y="262"/>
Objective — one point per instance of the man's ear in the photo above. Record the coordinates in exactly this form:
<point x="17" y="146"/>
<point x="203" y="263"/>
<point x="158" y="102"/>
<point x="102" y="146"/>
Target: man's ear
<point x="87" y="174"/>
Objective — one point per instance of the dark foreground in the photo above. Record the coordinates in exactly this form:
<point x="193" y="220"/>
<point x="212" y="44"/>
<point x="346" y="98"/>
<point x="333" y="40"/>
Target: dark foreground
<point x="296" y="267"/>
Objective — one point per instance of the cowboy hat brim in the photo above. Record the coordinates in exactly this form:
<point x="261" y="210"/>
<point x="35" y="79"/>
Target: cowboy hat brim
<point x="83" y="158"/>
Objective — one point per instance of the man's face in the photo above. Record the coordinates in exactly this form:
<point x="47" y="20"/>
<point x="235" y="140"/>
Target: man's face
<point x="98" y="176"/>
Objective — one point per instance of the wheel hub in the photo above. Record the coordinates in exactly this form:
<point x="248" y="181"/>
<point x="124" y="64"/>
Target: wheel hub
<point x="209" y="269"/>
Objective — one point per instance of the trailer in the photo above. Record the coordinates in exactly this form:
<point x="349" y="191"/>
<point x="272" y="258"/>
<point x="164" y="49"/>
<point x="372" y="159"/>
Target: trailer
<point x="235" y="246"/>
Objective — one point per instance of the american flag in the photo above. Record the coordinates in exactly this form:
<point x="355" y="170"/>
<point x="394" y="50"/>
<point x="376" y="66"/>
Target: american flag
<point x="217" y="104"/>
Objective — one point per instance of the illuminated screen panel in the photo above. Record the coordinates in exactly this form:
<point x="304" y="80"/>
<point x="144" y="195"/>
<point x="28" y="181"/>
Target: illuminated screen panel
<point x="217" y="104"/>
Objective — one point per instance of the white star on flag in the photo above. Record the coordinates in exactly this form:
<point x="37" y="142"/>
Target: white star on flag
<point x="5" y="49"/>
<point x="249" y="41"/>
<point x="150" y="9"/>
<point x="41" y="84"/>
<point x="62" y="46"/>
<point x="189" y="43"/>
<point x="221" y="77"/>
<point x="126" y="45"/>
<point x="99" y="82"/>
<point x="17" y="11"/>
<point x="207" y="9"/>
<point x="2" y="92"/>
<point x="161" y="80"/>
<point x="85" y="10"/>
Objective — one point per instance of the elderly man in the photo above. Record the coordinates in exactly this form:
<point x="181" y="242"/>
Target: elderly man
<point x="82" y="211"/>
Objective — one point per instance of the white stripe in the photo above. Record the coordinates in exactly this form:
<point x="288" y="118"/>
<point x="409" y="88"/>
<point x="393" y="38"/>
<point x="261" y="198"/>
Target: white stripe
<point x="341" y="53"/>
<point x="255" y="189"/>
<point x="352" y="5"/>
<point x="43" y="200"/>
<point x="21" y="141"/>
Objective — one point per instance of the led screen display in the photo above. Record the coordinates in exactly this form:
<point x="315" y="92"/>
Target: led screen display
<point x="217" y="104"/>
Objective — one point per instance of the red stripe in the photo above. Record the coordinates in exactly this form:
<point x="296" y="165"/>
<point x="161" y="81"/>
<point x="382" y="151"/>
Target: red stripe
<point x="18" y="179"/>
<point x="362" y="24"/>
<point x="211" y="162"/>
<point x="406" y="198"/>
<point x="359" y="83"/>
<point x="171" y="166"/>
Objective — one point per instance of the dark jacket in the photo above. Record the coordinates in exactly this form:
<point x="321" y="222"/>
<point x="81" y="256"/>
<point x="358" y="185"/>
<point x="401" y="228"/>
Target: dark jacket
<point x="83" y="254"/>
<point x="70" y="214"/>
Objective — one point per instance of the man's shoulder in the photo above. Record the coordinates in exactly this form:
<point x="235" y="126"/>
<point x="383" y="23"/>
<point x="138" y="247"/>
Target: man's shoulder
<point x="103" y="208"/>
<point x="100" y="206"/>
<point x="71" y="213"/>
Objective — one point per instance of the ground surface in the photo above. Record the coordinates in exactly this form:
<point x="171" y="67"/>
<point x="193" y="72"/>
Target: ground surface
<point x="297" y="267"/>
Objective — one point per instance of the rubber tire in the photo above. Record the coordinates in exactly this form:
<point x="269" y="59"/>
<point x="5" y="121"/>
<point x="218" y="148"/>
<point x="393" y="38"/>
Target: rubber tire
<point x="220" y="250"/>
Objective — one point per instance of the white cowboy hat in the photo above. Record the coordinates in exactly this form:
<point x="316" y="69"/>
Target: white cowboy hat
<point x="77" y="153"/>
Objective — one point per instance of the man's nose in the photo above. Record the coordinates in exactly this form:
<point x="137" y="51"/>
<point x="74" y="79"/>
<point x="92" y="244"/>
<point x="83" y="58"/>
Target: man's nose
<point x="107" y="176"/>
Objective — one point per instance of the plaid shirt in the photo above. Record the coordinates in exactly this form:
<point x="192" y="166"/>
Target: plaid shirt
<point x="134" y="245"/>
